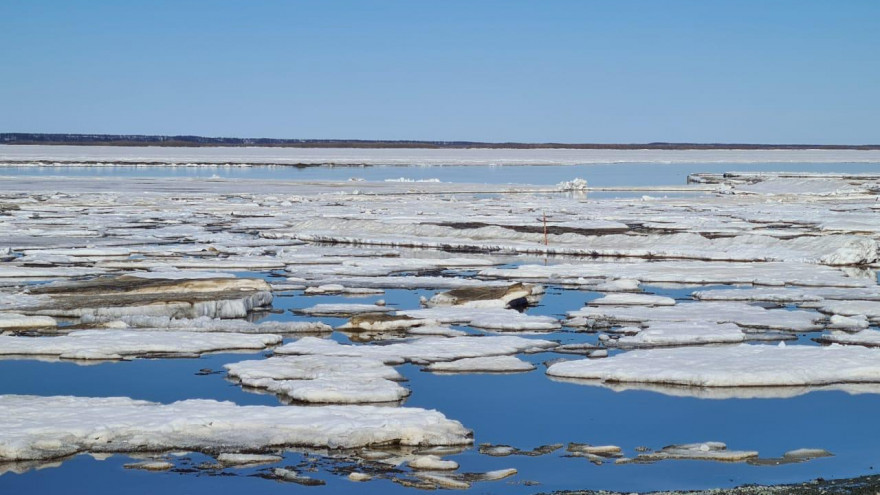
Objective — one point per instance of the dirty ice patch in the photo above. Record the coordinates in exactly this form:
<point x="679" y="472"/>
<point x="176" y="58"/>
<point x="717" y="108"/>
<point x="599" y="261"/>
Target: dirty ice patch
<point x="495" y="319"/>
<point x="731" y="366"/>
<point x="207" y="324"/>
<point x="515" y="295"/>
<point x="50" y="427"/>
<point x="343" y="309"/>
<point x="115" y="344"/>
<point x="322" y="379"/>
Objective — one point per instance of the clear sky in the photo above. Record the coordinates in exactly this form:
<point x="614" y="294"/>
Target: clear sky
<point x="763" y="71"/>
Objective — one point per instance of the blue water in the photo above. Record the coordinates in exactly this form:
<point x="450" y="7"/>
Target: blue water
<point x="597" y="175"/>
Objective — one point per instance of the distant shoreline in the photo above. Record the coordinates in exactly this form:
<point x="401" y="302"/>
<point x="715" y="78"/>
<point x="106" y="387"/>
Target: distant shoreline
<point x="200" y="141"/>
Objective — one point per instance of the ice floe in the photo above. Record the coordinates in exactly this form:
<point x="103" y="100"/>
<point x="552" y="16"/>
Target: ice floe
<point x="633" y="300"/>
<point x="116" y="344"/>
<point x="322" y="379"/>
<point x="494" y="364"/>
<point x="708" y="451"/>
<point x="867" y="338"/>
<point x="343" y="309"/>
<point x="743" y="315"/>
<point x="422" y="350"/>
<point x="494" y="319"/>
<point x="664" y="334"/>
<point x="731" y="366"/>
<point x="57" y="426"/>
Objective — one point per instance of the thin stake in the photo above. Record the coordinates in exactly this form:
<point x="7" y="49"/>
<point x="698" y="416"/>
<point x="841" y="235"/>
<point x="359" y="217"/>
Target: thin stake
<point x="546" y="241"/>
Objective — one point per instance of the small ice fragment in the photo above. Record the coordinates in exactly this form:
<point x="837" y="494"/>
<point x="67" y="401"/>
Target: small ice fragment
<point x="432" y="462"/>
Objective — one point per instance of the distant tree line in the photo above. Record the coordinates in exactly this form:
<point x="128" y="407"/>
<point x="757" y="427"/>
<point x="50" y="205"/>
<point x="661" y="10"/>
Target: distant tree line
<point x="196" y="141"/>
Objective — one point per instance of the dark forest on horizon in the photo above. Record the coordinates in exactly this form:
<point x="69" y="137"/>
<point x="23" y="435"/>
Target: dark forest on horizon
<point x="200" y="141"/>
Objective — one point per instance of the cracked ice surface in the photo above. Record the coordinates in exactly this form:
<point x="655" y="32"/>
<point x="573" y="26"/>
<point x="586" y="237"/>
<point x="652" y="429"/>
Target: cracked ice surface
<point x="115" y="344"/>
<point x="50" y="427"/>
<point x="731" y="366"/>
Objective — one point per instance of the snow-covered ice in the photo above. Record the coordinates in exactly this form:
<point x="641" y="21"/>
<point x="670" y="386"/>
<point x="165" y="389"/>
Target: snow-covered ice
<point x="322" y="379"/>
<point x="421" y="350"/>
<point x="57" y="426"/>
<point x="122" y="344"/>
<point x="731" y="366"/>
<point x="494" y="364"/>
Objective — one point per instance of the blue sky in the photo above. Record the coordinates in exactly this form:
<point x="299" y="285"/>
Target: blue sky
<point x="567" y="71"/>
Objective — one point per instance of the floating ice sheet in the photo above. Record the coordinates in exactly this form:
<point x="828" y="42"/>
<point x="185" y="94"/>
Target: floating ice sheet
<point x="116" y="344"/>
<point x="422" y="350"/>
<point x="50" y="427"/>
<point x="486" y="318"/>
<point x="322" y="379"/>
<point x="732" y="366"/>
<point x="744" y="315"/>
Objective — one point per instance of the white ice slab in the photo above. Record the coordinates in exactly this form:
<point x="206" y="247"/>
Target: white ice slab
<point x="731" y="366"/>
<point x="687" y="272"/>
<point x="742" y="314"/>
<point x="422" y="350"/>
<point x="867" y="338"/>
<point x="207" y="324"/>
<point x="487" y="318"/>
<point x="342" y="309"/>
<point x="666" y="334"/>
<point x="49" y="427"/>
<point x="116" y="344"/>
<point x="494" y="364"/>
<point x="322" y="379"/>
<point x="626" y="299"/>
<point x="15" y="321"/>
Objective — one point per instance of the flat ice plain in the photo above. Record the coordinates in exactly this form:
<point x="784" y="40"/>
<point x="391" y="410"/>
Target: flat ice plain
<point x="377" y="335"/>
